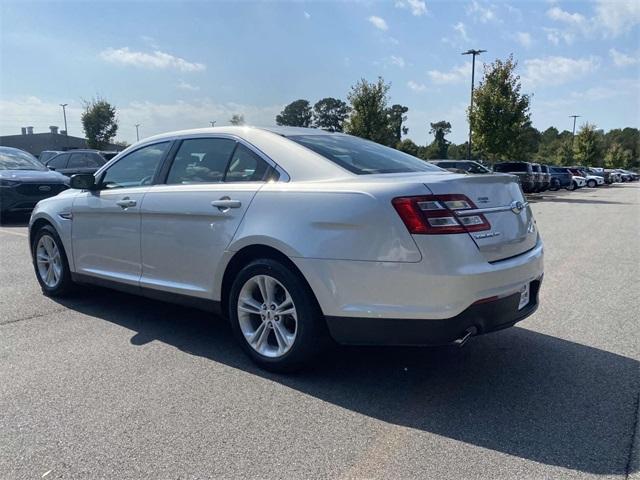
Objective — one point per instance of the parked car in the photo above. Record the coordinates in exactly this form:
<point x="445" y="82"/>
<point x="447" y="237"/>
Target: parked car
<point x="628" y="175"/>
<point x="546" y="177"/>
<point x="47" y="154"/>
<point x="24" y="181"/>
<point x="522" y="170"/>
<point x="461" y="166"/>
<point x="614" y="176"/>
<point x="578" y="181"/>
<point x="79" y="161"/>
<point x="592" y="181"/>
<point x="560" y="178"/>
<point x="541" y="180"/>
<point x="298" y="235"/>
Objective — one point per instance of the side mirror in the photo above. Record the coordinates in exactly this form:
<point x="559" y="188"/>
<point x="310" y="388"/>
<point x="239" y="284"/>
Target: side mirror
<point x="82" y="181"/>
<point x="51" y="168"/>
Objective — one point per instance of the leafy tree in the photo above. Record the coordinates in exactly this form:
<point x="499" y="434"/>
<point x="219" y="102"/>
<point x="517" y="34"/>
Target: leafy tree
<point x="588" y="146"/>
<point x="617" y="156"/>
<point x="99" y="122"/>
<point x="237" y="119"/>
<point x="396" y="117"/>
<point x="440" y="130"/>
<point x="408" y="146"/>
<point x="500" y="118"/>
<point x="564" y="153"/>
<point x="296" y="114"/>
<point x="330" y="114"/>
<point x="369" y="117"/>
<point x="458" y="152"/>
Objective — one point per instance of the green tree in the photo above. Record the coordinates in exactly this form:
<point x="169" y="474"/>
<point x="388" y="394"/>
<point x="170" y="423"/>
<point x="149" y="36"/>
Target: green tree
<point x="587" y="149"/>
<point x="369" y="116"/>
<point x="99" y="122"/>
<point x="237" y="119"/>
<point x="408" y="146"/>
<point x="500" y="118"/>
<point x="330" y="114"/>
<point x="396" y="117"/>
<point x="564" y="153"/>
<point x="296" y="114"/>
<point x="617" y="156"/>
<point x="440" y="130"/>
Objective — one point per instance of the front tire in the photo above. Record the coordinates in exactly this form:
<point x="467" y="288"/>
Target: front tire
<point x="50" y="263"/>
<point x="275" y="316"/>
<point x="592" y="184"/>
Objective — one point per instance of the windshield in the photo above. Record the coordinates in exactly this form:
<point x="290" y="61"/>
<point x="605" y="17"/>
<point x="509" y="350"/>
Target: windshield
<point x="362" y="156"/>
<point x="510" y="167"/>
<point x="18" y="160"/>
<point x="473" y="167"/>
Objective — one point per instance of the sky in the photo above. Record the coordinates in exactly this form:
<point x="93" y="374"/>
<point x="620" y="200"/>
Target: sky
<point x="173" y="65"/>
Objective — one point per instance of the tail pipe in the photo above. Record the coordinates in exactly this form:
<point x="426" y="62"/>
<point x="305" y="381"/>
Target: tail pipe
<point x="462" y="340"/>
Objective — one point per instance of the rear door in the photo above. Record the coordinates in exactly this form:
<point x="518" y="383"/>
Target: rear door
<point x="188" y="222"/>
<point x="499" y="198"/>
<point x="59" y="162"/>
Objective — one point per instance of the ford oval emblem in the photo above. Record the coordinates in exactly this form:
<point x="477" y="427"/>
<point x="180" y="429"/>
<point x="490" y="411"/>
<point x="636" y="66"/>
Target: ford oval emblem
<point x="44" y="188"/>
<point x="517" y="206"/>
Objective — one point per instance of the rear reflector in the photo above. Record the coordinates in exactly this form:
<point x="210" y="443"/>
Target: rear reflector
<point x="435" y="214"/>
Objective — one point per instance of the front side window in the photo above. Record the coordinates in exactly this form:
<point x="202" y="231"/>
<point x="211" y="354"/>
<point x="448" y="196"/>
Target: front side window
<point x="136" y="169"/>
<point x="362" y="156"/>
<point x="246" y="166"/>
<point x="201" y="160"/>
<point x="59" y="162"/>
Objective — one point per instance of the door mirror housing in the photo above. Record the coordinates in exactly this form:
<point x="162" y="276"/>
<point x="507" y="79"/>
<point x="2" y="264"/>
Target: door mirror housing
<point x="83" y="181"/>
<point x="51" y="168"/>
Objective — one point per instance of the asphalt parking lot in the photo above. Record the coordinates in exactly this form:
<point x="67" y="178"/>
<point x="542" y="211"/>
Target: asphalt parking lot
<point x="107" y="385"/>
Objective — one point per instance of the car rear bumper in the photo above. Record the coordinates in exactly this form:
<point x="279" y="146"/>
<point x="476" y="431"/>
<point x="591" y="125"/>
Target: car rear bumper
<point x="481" y="318"/>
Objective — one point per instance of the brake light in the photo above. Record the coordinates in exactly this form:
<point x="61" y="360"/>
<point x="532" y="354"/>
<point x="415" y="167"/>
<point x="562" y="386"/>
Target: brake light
<point x="439" y="214"/>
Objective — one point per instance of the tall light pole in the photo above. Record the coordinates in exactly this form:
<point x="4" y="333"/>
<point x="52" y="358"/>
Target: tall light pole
<point x="66" y="132"/>
<point x="213" y="123"/>
<point x="473" y="73"/>
<point x="137" y="132"/>
<point x="573" y="136"/>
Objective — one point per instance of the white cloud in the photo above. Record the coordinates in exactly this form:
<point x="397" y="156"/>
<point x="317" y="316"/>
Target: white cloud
<point x="555" y="36"/>
<point x="378" y="22"/>
<point x="617" y="17"/>
<point x="524" y="39"/>
<point x="460" y="36"/>
<point x="418" y="7"/>
<point x="557" y="70"/>
<point x="155" y="60"/>
<point x="187" y="86"/>
<point x="416" y="87"/>
<point x="461" y="30"/>
<point x="621" y="59"/>
<point x="559" y="15"/>
<point x="398" y="61"/>
<point x="307" y="15"/>
<point x="481" y="13"/>
<point x="455" y="75"/>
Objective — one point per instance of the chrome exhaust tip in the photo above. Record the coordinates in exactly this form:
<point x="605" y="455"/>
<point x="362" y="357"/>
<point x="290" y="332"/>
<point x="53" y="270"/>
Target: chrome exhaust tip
<point x="468" y="333"/>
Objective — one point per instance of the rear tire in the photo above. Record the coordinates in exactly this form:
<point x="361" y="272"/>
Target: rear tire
<point x="275" y="316"/>
<point x="50" y="263"/>
<point x="572" y="187"/>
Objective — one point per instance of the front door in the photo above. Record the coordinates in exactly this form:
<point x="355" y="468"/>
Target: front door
<point x="188" y="222"/>
<point x="106" y="221"/>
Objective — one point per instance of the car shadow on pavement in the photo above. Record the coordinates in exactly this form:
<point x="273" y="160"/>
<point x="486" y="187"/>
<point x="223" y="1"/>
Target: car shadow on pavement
<point x="518" y="392"/>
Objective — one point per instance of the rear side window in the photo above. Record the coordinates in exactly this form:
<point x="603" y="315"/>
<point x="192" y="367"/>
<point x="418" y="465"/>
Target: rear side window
<point x="59" y="162"/>
<point x="511" y="167"/>
<point x="361" y="156"/>
<point x="246" y="166"/>
<point x="84" y="160"/>
<point x="201" y="160"/>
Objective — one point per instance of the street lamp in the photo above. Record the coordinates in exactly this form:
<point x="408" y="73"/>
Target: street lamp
<point x="213" y="123"/>
<point x="473" y="72"/>
<point x="66" y="132"/>
<point x="574" y="130"/>
<point x="137" y="132"/>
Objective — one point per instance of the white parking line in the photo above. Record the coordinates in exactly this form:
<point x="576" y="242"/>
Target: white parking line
<point x="11" y="232"/>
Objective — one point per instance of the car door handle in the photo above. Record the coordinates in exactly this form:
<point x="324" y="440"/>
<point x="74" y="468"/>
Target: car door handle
<point x="225" y="203"/>
<point x="126" y="202"/>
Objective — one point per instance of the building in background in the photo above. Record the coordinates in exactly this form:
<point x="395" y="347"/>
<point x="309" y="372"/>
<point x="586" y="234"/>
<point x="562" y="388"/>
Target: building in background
<point x="54" y="139"/>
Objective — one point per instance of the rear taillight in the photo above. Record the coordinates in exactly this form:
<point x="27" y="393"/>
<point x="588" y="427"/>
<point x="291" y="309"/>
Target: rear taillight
<point x="439" y="214"/>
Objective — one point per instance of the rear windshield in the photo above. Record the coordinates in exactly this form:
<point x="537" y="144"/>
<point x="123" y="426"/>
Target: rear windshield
<point x="18" y="160"/>
<point x="511" y="167"/>
<point x="361" y="156"/>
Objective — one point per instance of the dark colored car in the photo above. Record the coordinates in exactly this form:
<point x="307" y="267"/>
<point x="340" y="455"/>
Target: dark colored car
<point x="522" y="170"/>
<point x="79" y="161"/>
<point x="461" y="166"/>
<point x="546" y="177"/>
<point x="560" y="178"/>
<point x="24" y="181"/>
<point x="541" y="180"/>
<point x="45" y="155"/>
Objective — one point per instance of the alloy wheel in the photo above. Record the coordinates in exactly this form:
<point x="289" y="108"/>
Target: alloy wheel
<point x="49" y="261"/>
<point x="267" y="316"/>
